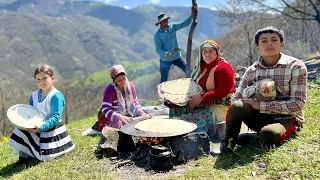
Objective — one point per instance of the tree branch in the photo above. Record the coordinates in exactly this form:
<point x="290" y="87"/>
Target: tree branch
<point x="317" y="16"/>
<point x="310" y="16"/>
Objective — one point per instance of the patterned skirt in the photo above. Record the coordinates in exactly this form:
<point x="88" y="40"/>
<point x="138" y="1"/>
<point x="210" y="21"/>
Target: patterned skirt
<point x="44" y="145"/>
<point x="202" y="116"/>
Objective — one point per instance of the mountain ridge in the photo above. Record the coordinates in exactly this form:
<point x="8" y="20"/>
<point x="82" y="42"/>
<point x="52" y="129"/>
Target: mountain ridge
<point x="81" y="37"/>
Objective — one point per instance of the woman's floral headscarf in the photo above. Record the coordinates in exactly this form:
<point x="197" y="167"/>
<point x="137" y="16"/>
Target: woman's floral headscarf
<point x="125" y="104"/>
<point x="197" y="67"/>
<point x="116" y="70"/>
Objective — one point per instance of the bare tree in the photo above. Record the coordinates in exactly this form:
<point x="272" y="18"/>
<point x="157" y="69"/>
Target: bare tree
<point x="63" y="86"/>
<point x="246" y="16"/>
<point x="298" y="9"/>
<point x="5" y="92"/>
<point x="238" y="45"/>
<point x="308" y="10"/>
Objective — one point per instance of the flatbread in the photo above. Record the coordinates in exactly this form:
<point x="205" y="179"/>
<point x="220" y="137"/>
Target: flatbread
<point x="25" y="116"/>
<point x="178" y="91"/>
<point x="181" y="86"/>
<point x="165" y="126"/>
<point x="177" y="99"/>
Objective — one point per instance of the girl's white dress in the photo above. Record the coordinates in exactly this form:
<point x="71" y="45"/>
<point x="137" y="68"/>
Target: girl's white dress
<point x="47" y="144"/>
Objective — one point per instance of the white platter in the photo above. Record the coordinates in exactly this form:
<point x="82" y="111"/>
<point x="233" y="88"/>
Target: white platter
<point x="25" y="116"/>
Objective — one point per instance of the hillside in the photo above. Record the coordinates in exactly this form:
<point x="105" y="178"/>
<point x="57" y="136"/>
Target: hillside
<point x="296" y="159"/>
<point x="72" y="47"/>
<point x="82" y="39"/>
<point x="79" y="38"/>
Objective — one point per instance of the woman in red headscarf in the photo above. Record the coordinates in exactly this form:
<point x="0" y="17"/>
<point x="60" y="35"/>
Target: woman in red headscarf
<point x="216" y="77"/>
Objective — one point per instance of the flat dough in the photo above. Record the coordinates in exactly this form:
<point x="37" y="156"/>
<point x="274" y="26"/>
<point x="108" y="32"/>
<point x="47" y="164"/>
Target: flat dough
<point x="181" y="86"/>
<point x="179" y="91"/>
<point x="165" y="126"/>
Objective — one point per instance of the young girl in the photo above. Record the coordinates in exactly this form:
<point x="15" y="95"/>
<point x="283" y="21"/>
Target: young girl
<point x="51" y="139"/>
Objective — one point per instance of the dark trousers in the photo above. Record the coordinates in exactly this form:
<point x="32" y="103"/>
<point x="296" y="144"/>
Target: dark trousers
<point x="269" y="130"/>
<point x="166" y="65"/>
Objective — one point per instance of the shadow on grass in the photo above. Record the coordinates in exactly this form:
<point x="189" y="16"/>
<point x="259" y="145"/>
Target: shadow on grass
<point x="247" y="154"/>
<point x="242" y="156"/>
<point x="17" y="167"/>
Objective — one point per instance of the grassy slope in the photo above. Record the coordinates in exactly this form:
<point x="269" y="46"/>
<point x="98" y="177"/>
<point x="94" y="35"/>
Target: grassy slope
<point x="102" y="77"/>
<point x="296" y="159"/>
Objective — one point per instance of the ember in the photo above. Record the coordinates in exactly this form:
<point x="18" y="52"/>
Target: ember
<point x="151" y="140"/>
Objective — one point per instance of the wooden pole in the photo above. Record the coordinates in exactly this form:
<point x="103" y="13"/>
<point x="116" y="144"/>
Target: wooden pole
<point x="189" y="45"/>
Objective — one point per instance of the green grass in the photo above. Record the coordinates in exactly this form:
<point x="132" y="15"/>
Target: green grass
<point x="298" y="158"/>
<point x="103" y="77"/>
<point x="138" y="65"/>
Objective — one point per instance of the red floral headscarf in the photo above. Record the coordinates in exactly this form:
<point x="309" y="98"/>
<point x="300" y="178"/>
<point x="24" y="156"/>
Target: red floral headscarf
<point x="116" y="70"/>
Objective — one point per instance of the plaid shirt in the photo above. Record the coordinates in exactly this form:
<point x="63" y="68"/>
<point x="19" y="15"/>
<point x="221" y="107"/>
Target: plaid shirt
<point x="290" y="77"/>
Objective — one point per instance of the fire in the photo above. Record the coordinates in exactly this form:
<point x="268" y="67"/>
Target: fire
<point x="151" y="140"/>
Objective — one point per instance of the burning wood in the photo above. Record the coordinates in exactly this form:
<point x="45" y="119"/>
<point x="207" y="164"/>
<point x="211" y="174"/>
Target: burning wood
<point x="151" y="140"/>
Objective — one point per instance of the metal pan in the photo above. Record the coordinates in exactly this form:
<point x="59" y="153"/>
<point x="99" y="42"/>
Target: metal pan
<point x="20" y="114"/>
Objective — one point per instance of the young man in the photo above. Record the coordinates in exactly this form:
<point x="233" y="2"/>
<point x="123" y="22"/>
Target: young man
<point x="275" y="120"/>
<point x="167" y="46"/>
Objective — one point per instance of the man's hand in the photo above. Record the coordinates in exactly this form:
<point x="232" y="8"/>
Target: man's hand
<point x="253" y="103"/>
<point x="34" y="130"/>
<point x="195" y="100"/>
<point x="170" y="55"/>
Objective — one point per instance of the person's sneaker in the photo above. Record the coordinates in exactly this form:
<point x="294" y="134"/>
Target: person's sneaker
<point x="90" y="132"/>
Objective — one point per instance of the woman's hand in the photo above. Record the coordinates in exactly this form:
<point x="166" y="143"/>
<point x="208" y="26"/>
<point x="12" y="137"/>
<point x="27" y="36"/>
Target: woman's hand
<point x="124" y="118"/>
<point x="195" y="100"/>
<point x="36" y="129"/>
<point x="151" y="115"/>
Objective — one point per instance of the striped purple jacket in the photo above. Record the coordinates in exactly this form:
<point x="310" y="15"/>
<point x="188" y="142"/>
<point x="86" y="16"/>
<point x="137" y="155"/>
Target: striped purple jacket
<point x="110" y="106"/>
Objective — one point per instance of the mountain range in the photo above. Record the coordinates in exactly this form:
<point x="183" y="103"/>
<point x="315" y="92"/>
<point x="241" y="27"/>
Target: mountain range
<point x="81" y="37"/>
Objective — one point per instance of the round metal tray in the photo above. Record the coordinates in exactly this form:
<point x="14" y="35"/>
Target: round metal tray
<point x="20" y="113"/>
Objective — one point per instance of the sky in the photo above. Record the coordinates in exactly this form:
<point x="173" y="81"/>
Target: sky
<point x="211" y="4"/>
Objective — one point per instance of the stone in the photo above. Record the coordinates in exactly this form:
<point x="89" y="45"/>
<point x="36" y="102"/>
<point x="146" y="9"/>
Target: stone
<point x="219" y="130"/>
<point x="263" y="165"/>
<point x="112" y="142"/>
<point x="156" y="110"/>
<point x="190" y="146"/>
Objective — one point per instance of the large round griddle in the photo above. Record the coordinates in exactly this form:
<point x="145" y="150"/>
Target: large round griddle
<point x="130" y="129"/>
<point x="20" y="114"/>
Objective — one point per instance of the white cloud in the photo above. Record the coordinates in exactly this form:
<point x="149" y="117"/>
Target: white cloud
<point x="107" y="1"/>
<point x="272" y="12"/>
<point x="155" y="1"/>
<point x="214" y="9"/>
<point x="126" y="7"/>
<point x="211" y="8"/>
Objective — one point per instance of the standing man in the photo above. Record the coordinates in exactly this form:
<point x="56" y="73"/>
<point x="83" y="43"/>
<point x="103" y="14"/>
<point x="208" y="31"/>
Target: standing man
<point x="167" y="45"/>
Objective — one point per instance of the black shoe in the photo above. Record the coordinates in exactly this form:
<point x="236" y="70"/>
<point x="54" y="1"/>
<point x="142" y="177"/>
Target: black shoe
<point x="23" y="160"/>
<point x="247" y="138"/>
